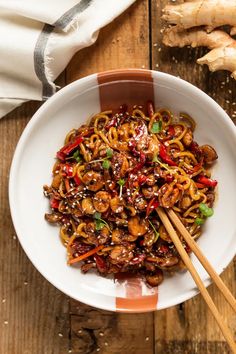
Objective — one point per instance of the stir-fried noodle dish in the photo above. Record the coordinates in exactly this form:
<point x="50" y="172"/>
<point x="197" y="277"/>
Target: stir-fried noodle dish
<point x="111" y="175"/>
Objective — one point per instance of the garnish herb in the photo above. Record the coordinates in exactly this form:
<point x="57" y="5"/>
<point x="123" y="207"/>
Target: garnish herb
<point x="109" y="153"/>
<point x="205" y="210"/>
<point x="76" y="156"/>
<point x="121" y="182"/>
<point x="106" y="164"/>
<point x="156" y="127"/>
<point x="199" y="221"/>
<point x="99" y="222"/>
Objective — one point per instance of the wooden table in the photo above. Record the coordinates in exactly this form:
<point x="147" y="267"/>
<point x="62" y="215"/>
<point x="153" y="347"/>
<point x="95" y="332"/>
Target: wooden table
<point x="36" y="318"/>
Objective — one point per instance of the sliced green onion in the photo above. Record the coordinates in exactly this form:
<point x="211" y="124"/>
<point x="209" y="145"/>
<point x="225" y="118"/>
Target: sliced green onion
<point x="109" y="153"/>
<point x="156" y="127"/>
<point x="205" y="210"/>
<point x="106" y="164"/>
<point x="199" y="221"/>
<point x="155" y="231"/>
<point x="76" y="156"/>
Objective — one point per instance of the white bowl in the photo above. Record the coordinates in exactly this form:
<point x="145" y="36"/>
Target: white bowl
<point x="34" y="158"/>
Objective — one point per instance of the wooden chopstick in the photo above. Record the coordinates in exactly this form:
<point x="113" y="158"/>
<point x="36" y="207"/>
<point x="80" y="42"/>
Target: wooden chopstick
<point x="203" y="260"/>
<point x="183" y="254"/>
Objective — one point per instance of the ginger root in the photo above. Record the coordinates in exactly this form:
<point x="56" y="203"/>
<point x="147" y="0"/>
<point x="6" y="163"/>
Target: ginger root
<point x="209" y="13"/>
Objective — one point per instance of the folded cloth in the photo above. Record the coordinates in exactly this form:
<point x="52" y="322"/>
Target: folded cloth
<point x="38" y="39"/>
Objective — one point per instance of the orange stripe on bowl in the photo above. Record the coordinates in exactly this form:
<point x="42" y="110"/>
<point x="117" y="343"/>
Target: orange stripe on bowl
<point x="120" y="86"/>
<point x="134" y="300"/>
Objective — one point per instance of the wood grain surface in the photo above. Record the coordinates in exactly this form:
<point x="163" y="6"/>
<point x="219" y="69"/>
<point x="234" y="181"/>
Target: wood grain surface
<point x="36" y="318"/>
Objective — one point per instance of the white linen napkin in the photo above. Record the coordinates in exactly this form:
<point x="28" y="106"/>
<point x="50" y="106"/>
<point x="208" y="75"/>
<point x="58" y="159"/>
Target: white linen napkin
<point x="38" y="39"/>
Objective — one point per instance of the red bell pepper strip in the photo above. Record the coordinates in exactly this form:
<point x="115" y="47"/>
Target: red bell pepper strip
<point x="68" y="148"/>
<point x="150" y="108"/>
<point x="165" y="157"/>
<point x="153" y="204"/>
<point x="207" y="181"/>
<point x="54" y="203"/>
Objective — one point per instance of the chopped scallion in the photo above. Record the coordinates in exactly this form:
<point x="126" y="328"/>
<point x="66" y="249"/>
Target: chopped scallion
<point x="205" y="210"/>
<point x="77" y="156"/>
<point x="199" y="221"/>
<point x="156" y="127"/>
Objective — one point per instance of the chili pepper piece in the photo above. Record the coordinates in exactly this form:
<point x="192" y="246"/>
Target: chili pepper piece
<point x="68" y="148"/>
<point x="67" y="170"/>
<point x="153" y="204"/>
<point x="165" y="157"/>
<point x="142" y="179"/>
<point x="54" y="203"/>
<point x="150" y="108"/>
<point x="171" y="131"/>
<point x="140" y="164"/>
<point x="207" y="181"/>
<point x="77" y="180"/>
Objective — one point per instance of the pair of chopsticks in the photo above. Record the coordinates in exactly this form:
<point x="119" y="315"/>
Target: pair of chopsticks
<point x="165" y="217"/>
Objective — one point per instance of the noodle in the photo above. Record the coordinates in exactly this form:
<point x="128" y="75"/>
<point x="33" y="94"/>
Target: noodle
<point x="110" y="176"/>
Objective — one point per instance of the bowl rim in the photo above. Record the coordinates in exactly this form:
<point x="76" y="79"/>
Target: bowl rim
<point x="202" y="96"/>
